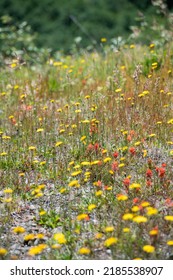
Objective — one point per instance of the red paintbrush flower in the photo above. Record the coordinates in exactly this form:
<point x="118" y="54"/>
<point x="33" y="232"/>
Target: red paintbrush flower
<point x="114" y="165"/>
<point x="135" y="200"/>
<point x="132" y="150"/>
<point x="126" y="182"/>
<point x="149" y="183"/>
<point x="96" y="146"/>
<point x="149" y="173"/>
<point x="90" y="147"/>
<point x="115" y="154"/>
<point x="161" y="171"/>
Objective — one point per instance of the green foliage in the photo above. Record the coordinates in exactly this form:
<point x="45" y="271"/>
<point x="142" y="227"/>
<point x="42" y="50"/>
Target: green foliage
<point x="155" y="26"/>
<point x="56" y="27"/>
<point x="18" y="41"/>
<point x="59" y="22"/>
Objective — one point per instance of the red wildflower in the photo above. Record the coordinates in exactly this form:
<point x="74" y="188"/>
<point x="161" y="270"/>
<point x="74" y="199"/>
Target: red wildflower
<point x="99" y="183"/>
<point x="26" y="107"/>
<point x="169" y="202"/>
<point x="135" y="200"/>
<point x="84" y="82"/>
<point x="161" y="171"/>
<point x="87" y="218"/>
<point x="132" y="132"/>
<point x="132" y="150"/>
<point x="93" y="129"/>
<point x="129" y="137"/>
<point x="149" y="173"/>
<point x="96" y="146"/>
<point x="13" y="121"/>
<point x="115" y="154"/>
<point x="149" y="183"/>
<point x="140" y="207"/>
<point x="126" y="182"/>
<point x="90" y="147"/>
<point x="114" y="165"/>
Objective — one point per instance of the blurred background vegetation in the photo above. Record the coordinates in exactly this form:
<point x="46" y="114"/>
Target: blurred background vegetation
<point x="53" y="25"/>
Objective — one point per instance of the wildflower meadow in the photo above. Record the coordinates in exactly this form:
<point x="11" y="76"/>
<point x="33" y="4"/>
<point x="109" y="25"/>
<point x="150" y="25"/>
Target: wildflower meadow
<point x="86" y="156"/>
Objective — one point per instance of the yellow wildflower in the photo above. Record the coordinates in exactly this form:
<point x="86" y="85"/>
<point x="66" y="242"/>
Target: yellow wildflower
<point x="121" y="197"/>
<point x="91" y="207"/>
<point x="118" y="90"/>
<point x="134" y="186"/>
<point x="42" y="212"/>
<point x="3" y="251"/>
<point x="145" y="204"/>
<point x="18" y="230"/>
<point x="137" y="143"/>
<point x="7" y="200"/>
<point x="74" y="183"/>
<point x="56" y="246"/>
<point x="39" y="236"/>
<point x="60" y="238"/>
<point x="84" y="251"/>
<point x="98" y="235"/>
<point x="153" y="232"/>
<point x="43" y="162"/>
<point x="35" y="250"/>
<point x="82" y="138"/>
<point x="81" y="217"/>
<point x="151" y="211"/>
<point x="128" y="216"/>
<point x="85" y="163"/>
<point x="76" y="173"/>
<point x="148" y="248"/>
<point x="170" y="121"/>
<point x="87" y="173"/>
<point x="29" y="237"/>
<point x="107" y="159"/>
<point x="32" y="148"/>
<point x="40" y="129"/>
<point x="95" y="162"/>
<point x="110" y="241"/>
<point x="58" y="143"/>
<point x="103" y="40"/>
<point x="3" y="154"/>
<point x="126" y="229"/>
<point x="8" y="190"/>
<point x="98" y="193"/>
<point x="109" y="229"/>
<point x="121" y="165"/>
<point x="140" y="219"/>
<point x="135" y="208"/>
<point x="57" y="63"/>
<point x="169" y="218"/>
<point x="77" y="166"/>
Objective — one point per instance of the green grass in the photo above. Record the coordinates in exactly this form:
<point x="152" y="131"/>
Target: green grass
<point x="86" y="149"/>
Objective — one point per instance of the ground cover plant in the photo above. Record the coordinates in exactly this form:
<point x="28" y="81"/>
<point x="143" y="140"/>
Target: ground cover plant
<point x="86" y="156"/>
